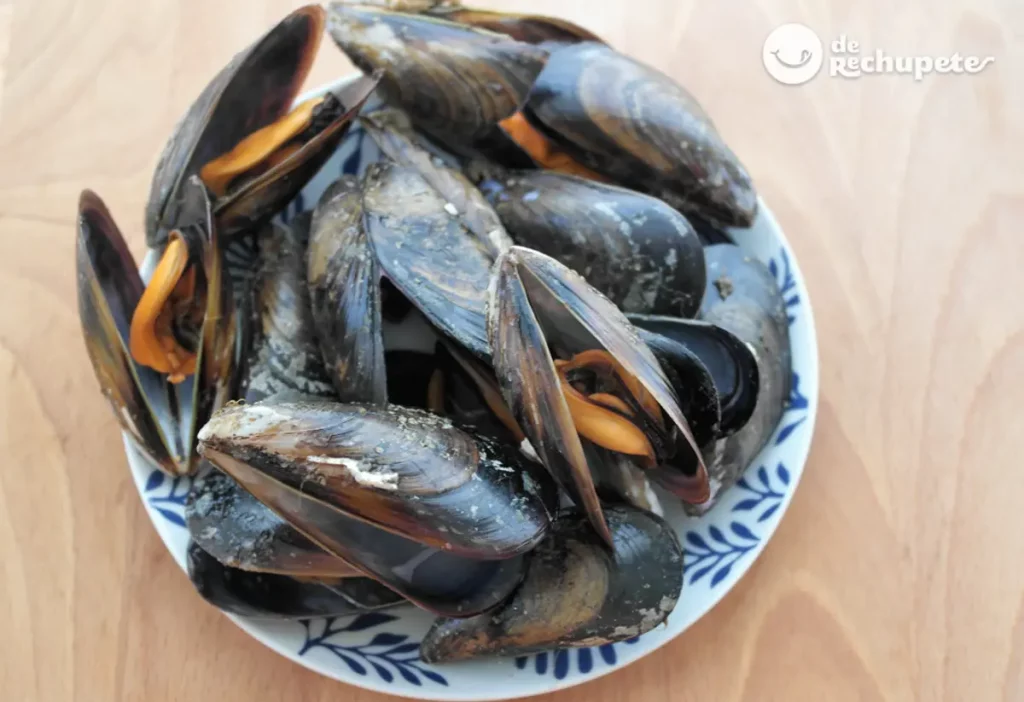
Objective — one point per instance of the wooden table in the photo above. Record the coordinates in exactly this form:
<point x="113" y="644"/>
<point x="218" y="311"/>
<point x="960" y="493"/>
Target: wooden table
<point x="898" y="572"/>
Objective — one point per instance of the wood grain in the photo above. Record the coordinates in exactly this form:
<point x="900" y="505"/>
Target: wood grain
<point x="898" y="573"/>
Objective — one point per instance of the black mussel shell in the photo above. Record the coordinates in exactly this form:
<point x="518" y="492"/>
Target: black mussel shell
<point x="393" y="133"/>
<point x="576" y="592"/>
<point x="285" y="354"/>
<point x="743" y="298"/>
<point x="455" y="81"/>
<point x="229" y="108"/>
<point x="109" y="289"/>
<point x="242" y="533"/>
<point x="265" y="195"/>
<point x="345" y="295"/>
<point x="422" y="247"/>
<point x="266" y="595"/>
<point x="728" y="359"/>
<point x="433" y="579"/>
<point x="638" y="127"/>
<point x="401" y="469"/>
<point x="641" y="253"/>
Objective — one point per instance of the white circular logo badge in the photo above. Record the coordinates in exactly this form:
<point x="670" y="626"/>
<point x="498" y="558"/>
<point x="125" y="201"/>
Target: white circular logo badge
<point x="792" y="54"/>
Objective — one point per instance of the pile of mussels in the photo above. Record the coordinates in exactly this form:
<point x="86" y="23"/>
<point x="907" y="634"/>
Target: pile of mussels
<point x="548" y="218"/>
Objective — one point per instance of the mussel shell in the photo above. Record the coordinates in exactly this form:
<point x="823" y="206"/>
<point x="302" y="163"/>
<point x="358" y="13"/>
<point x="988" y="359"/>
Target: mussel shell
<point x="532" y="29"/>
<point x="641" y="253"/>
<point x="727" y="358"/>
<point x="393" y="133"/>
<point x="470" y="390"/>
<point x="539" y="303"/>
<point x="693" y="383"/>
<point x="266" y="595"/>
<point x="401" y="469"/>
<point x="109" y="289"/>
<point x="638" y="127"/>
<point x="436" y="580"/>
<point x="230" y="108"/>
<point x="242" y="533"/>
<point x="455" y="81"/>
<point x="219" y="370"/>
<point x="286" y="353"/>
<point x="576" y="593"/>
<point x="427" y="253"/>
<point x="266" y="195"/>
<point x="345" y="295"/>
<point x="743" y="298"/>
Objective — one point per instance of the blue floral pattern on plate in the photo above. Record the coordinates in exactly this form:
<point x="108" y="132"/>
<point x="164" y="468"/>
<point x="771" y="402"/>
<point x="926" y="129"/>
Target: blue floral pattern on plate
<point x="385" y="654"/>
<point x="167" y="496"/>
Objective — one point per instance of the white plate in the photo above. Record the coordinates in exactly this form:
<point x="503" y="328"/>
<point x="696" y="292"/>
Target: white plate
<point x="379" y="651"/>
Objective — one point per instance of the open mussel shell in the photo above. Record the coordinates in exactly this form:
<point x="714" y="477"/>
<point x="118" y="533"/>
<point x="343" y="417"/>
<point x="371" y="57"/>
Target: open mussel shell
<point x="242" y="533"/>
<point x="401" y="469"/>
<point x="641" y="253"/>
<point x="426" y="252"/>
<point x="433" y="579"/>
<point x="576" y="592"/>
<point x="540" y="307"/>
<point x="638" y="127"/>
<point x="285" y="353"/>
<point x="267" y="194"/>
<point x="729" y="360"/>
<point x="743" y="298"/>
<point x="218" y="373"/>
<point x="455" y="81"/>
<point x="229" y="109"/>
<point x="271" y="596"/>
<point x="109" y="289"/>
<point x="393" y="133"/>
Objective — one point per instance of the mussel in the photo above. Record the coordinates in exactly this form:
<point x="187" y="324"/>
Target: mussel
<point x="266" y="595"/>
<point x="642" y="254"/>
<point x="743" y="298"/>
<point x="636" y="126"/>
<point x="202" y="332"/>
<point x="402" y="469"/>
<point x="252" y="153"/>
<point x="576" y="592"/>
<point x="456" y="81"/>
<point x="332" y="470"/>
<point x="285" y="353"/>
<point x="571" y="366"/>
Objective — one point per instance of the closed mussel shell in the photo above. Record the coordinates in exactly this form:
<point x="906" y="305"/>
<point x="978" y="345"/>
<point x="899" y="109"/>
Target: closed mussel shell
<point x="455" y="81"/>
<point x="641" y="253"/>
<point x="345" y="295"/>
<point x="638" y="127"/>
<point x="576" y="592"/>
<point x="404" y="470"/>
<point x="434" y="579"/>
<point x="285" y="355"/>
